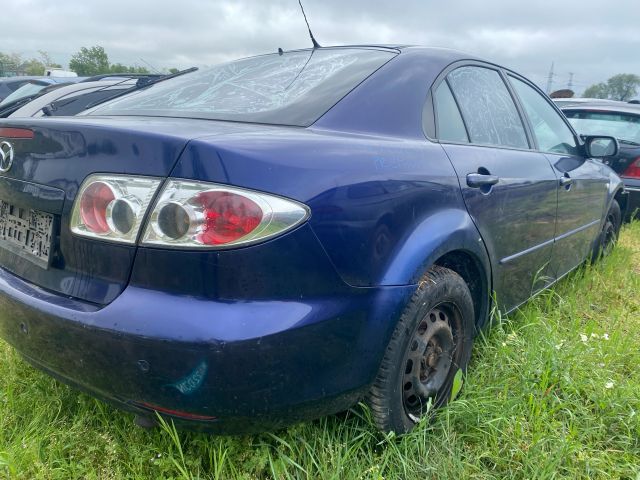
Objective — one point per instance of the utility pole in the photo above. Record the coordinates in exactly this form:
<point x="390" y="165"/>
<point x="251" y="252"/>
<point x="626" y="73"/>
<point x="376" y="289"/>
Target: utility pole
<point x="550" y="79"/>
<point x="570" y="85"/>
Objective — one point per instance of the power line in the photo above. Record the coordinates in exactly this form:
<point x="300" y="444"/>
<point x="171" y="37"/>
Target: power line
<point x="550" y="79"/>
<point x="153" y="69"/>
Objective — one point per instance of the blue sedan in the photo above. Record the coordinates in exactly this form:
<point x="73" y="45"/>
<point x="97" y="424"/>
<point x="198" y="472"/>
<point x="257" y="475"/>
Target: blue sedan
<point x="273" y="239"/>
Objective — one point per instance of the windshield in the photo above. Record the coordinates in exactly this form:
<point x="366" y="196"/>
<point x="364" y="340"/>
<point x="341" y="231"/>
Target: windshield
<point x="25" y="90"/>
<point x="620" y="125"/>
<point x="294" y="88"/>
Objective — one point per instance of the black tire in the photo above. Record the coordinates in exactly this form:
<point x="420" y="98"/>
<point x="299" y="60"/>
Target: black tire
<point x="609" y="233"/>
<point x="435" y="328"/>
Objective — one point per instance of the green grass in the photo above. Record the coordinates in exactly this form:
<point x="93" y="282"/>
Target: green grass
<point x="552" y="392"/>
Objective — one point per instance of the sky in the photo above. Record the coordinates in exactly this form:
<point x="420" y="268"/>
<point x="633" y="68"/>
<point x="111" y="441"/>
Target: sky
<point x="593" y="43"/>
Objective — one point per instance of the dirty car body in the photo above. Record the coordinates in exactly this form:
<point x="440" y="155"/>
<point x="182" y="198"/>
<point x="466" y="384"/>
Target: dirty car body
<point x="360" y="144"/>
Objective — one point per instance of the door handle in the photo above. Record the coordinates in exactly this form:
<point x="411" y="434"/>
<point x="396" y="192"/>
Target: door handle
<point x="565" y="180"/>
<point x="478" y="180"/>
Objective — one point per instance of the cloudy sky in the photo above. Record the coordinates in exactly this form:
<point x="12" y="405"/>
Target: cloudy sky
<point x="592" y="42"/>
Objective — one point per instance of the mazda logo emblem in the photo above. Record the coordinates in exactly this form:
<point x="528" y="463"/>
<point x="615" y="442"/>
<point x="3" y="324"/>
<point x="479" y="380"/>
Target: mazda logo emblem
<point x="6" y="156"/>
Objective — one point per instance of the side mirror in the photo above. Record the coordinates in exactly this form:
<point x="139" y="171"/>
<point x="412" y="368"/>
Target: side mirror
<point x="600" y="146"/>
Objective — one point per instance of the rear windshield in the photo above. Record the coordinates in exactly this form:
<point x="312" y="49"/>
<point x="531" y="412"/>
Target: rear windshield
<point x="295" y="88"/>
<point x="24" y="91"/>
<point x="620" y="125"/>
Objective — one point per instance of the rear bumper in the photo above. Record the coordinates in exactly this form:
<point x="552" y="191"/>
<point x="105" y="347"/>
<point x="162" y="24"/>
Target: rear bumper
<point x="250" y="365"/>
<point x="632" y="186"/>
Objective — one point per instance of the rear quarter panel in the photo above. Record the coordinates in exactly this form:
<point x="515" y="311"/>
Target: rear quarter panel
<point x="383" y="208"/>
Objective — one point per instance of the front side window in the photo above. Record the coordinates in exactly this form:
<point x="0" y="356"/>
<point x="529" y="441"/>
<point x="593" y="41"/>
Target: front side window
<point x="294" y="88"/>
<point x="449" y="124"/>
<point x="487" y="107"/>
<point x="551" y="132"/>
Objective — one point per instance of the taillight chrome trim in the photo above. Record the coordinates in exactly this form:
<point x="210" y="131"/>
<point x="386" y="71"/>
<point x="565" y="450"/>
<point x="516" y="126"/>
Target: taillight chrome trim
<point x="280" y="215"/>
<point x="121" y="186"/>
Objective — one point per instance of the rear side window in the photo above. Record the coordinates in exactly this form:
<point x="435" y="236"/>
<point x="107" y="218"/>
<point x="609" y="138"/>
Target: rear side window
<point x="294" y="88"/>
<point x="487" y="107"/>
<point x="551" y="132"/>
<point x="449" y="124"/>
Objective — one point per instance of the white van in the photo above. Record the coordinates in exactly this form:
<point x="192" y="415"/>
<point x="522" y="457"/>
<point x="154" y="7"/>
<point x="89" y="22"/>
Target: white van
<point x="58" y="72"/>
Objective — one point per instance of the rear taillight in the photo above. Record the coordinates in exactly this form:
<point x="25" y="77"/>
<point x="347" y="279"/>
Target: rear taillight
<point x="204" y="215"/>
<point x="633" y="170"/>
<point x="112" y="207"/>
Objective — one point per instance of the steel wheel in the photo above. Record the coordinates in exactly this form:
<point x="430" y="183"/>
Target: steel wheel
<point x="430" y="344"/>
<point x="430" y="359"/>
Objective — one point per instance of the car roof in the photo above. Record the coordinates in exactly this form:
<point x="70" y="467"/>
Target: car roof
<point x="561" y="102"/>
<point x="426" y="50"/>
<point x="619" y="107"/>
<point x="42" y="78"/>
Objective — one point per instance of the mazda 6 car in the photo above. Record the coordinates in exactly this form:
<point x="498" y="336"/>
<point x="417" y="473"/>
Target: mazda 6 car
<point x="273" y="239"/>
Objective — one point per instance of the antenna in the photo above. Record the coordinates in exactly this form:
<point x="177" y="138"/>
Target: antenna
<point x="313" y="40"/>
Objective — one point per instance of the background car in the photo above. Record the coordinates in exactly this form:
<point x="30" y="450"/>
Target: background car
<point x="566" y="102"/>
<point x="8" y="85"/>
<point x="621" y="120"/>
<point x="72" y="99"/>
<point x="276" y="238"/>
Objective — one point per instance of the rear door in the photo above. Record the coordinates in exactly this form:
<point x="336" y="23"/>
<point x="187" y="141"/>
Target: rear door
<point x="509" y="189"/>
<point x="582" y="187"/>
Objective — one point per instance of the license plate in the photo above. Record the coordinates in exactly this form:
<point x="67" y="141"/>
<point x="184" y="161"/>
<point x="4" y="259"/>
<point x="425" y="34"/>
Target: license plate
<point x="26" y="232"/>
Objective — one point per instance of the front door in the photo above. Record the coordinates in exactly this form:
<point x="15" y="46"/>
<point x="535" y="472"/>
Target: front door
<point x="582" y="187"/>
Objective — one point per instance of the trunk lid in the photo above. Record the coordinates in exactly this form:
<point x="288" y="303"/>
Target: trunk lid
<point x="40" y="187"/>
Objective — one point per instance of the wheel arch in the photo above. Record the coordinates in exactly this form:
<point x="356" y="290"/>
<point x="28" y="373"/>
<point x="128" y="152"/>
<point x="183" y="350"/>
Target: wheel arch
<point x="622" y="198"/>
<point x="470" y="268"/>
<point x="449" y="239"/>
<point x="616" y="192"/>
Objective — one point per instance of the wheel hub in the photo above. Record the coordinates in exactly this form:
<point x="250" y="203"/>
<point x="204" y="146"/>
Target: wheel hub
<point x="429" y="360"/>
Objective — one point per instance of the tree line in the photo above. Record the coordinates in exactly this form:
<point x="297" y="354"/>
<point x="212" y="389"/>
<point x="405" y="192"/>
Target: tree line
<point x="87" y="61"/>
<point x="623" y="86"/>
<point x="15" y="63"/>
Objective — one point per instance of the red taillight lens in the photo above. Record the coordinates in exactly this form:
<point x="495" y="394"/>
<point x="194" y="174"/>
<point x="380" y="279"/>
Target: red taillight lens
<point x="112" y="207"/>
<point x="227" y="217"/>
<point x="93" y="206"/>
<point x="9" y="132"/>
<point x="633" y="170"/>
<point x="198" y="214"/>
